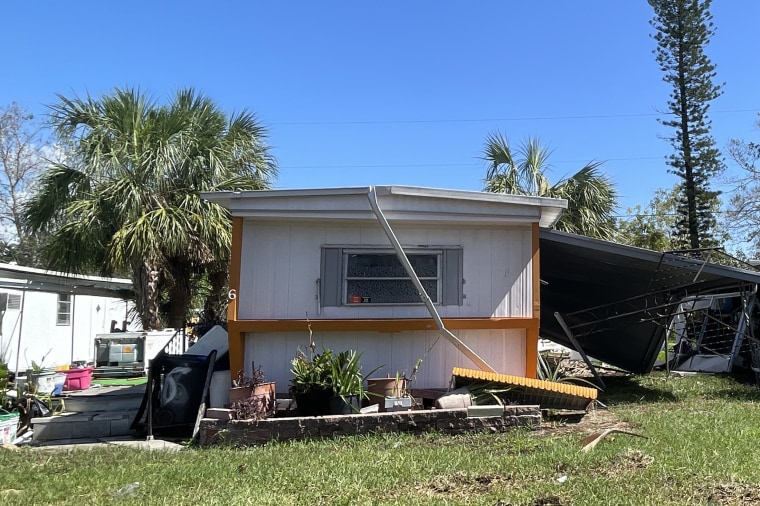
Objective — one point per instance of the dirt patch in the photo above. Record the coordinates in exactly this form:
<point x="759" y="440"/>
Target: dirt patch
<point x="564" y="423"/>
<point x="634" y="460"/>
<point x="629" y="462"/>
<point x="552" y="500"/>
<point x="461" y="484"/>
<point x="734" y="494"/>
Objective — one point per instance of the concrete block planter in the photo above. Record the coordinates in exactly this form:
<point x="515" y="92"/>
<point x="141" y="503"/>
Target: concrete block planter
<point x="449" y="421"/>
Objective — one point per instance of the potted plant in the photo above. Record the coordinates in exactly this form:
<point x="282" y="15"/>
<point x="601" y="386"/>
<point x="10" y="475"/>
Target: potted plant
<point x="311" y="386"/>
<point x="255" y="407"/>
<point x="4" y="381"/>
<point x="347" y="383"/>
<point x="248" y="387"/>
<point x="39" y="379"/>
<point x="390" y="391"/>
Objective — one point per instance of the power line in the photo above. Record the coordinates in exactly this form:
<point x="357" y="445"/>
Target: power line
<point x="488" y="120"/>
<point x="472" y="164"/>
<point x="663" y="215"/>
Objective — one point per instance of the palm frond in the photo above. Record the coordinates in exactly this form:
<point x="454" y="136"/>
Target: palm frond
<point x="591" y="196"/>
<point x="518" y="176"/>
<point x="129" y="200"/>
<point x="592" y="200"/>
<point x="533" y="165"/>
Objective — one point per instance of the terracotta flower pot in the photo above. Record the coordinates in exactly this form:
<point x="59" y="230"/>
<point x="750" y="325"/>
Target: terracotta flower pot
<point x="265" y="389"/>
<point x="238" y="394"/>
<point x="241" y="393"/>
<point x="380" y="388"/>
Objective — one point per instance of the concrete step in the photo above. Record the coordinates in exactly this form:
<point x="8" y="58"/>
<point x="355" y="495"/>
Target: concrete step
<point x="104" y="399"/>
<point x="78" y="425"/>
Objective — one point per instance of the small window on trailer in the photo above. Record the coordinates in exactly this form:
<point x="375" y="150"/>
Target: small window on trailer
<point x="64" y="309"/>
<point x="14" y="301"/>
<point x="355" y="275"/>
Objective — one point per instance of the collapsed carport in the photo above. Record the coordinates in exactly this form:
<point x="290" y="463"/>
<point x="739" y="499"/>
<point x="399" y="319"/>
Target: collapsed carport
<point x="617" y="300"/>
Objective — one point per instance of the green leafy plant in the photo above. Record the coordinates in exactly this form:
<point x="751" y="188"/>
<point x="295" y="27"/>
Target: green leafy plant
<point x="311" y="371"/>
<point x="3" y="385"/>
<point x="553" y="372"/>
<point x="37" y="368"/>
<point x="346" y="375"/>
<point x="487" y="392"/>
<point x="399" y="387"/>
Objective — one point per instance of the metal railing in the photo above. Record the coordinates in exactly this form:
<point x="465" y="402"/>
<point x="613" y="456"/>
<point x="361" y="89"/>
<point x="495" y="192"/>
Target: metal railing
<point x="178" y="343"/>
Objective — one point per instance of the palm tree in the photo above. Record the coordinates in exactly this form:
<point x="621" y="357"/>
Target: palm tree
<point x="591" y="195"/>
<point x="127" y="201"/>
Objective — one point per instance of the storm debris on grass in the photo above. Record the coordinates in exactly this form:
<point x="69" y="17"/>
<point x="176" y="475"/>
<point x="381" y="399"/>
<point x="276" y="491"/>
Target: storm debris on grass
<point x="738" y="494"/>
<point x="461" y="484"/>
<point x="591" y="441"/>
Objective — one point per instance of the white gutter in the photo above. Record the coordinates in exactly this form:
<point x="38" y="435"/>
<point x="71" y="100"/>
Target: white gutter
<point x="458" y="344"/>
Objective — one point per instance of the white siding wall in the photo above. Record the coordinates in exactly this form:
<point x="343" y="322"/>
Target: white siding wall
<point x="281" y="262"/>
<point x="40" y="334"/>
<point x="504" y="349"/>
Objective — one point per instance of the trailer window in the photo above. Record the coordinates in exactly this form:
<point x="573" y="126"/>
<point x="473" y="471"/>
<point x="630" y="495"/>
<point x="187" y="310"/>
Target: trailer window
<point x="360" y="276"/>
<point x="64" y="309"/>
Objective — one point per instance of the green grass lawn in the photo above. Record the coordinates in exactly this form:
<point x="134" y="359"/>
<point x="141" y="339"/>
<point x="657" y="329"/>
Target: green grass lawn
<point x="700" y="449"/>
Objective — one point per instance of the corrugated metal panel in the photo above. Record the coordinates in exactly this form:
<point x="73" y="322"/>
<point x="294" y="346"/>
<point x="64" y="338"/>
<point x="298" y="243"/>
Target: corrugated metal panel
<point x="616" y="298"/>
<point x="547" y="394"/>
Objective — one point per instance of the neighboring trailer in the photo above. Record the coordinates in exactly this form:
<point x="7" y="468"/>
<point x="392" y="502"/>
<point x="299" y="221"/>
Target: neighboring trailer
<point x="52" y="318"/>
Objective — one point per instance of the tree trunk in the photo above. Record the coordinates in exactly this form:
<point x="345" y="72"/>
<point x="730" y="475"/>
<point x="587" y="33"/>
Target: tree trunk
<point x="180" y="292"/>
<point x="216" y="302"/>
<point x="145" y="277"/>
<point x="179" y="301"/>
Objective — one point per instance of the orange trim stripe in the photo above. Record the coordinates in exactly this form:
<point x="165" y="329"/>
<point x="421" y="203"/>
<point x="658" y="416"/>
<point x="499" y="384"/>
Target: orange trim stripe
<point x="236" y="335"/>
<point x="532" y="335"/>
<point x="236" y="254"/>
<point x="385" y="324"/>
<point x="536" y="271"/>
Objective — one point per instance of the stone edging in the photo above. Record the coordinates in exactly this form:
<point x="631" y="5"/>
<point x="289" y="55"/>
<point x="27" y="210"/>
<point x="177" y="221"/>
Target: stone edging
<point x="449" y="421"/>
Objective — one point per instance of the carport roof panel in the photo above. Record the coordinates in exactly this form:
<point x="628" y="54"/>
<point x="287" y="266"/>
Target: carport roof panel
<point x="582" y="273"/>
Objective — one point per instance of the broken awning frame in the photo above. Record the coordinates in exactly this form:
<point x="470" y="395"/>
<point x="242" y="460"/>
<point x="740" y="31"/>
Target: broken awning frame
<point x="617" y="299"/>
<point x="709" y="333"/>
<point x="458" y="343"/>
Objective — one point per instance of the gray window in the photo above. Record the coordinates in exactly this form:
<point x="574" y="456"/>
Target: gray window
<point x="14" y="301"/>
<point x="352" y="276"/>
<point x="64" y="309"/>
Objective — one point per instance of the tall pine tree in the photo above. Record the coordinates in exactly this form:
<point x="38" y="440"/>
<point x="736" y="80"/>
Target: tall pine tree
<point x="684" y="28"/>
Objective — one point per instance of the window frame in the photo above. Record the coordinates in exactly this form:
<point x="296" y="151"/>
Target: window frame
<point x="332" y="271"/>
<point x="16" y="304"/>
<point x="63" y="310"/>
<point x="345" y="278"/>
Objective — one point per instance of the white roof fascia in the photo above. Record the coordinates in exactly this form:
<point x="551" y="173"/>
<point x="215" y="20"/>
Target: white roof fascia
<point x="351" y="203"/>
<point x="26" y="278"/>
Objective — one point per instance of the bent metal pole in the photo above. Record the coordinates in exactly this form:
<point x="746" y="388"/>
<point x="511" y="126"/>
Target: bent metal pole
<point x="458" y="344"/>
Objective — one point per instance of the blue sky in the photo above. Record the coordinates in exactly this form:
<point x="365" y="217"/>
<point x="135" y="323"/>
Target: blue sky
<point x="360" y="93"/>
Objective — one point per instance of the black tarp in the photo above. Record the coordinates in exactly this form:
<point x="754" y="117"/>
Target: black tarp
<point x="617" y="299"/>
